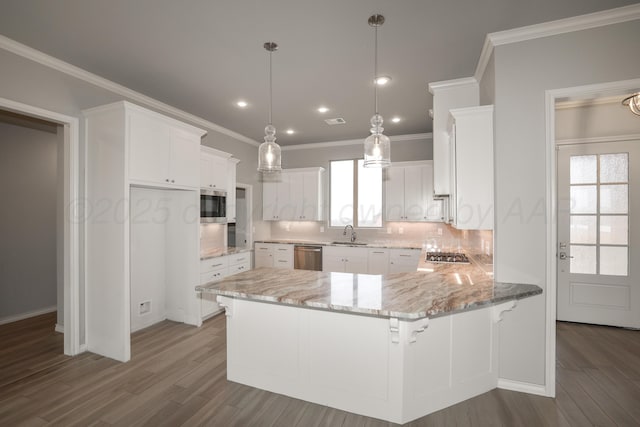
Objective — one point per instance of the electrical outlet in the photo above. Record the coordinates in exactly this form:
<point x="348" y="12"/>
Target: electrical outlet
<point x="144" y="307"/>
<point x="401" y="230"/>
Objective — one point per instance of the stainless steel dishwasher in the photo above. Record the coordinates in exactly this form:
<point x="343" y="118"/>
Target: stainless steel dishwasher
<point x="307" y="257"/>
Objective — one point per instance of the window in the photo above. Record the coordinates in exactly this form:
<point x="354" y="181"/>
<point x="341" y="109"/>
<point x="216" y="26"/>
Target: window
<point x="355" y="194"/>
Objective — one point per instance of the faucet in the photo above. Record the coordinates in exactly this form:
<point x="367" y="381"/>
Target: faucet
<point x="353" y="233"/>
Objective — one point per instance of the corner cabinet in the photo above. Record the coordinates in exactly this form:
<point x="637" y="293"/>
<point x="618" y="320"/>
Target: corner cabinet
<point x="409" y="193"/>
<point x="294" y="195"/>
<point x="161" y="150"/>
<point x="471" y="142"/>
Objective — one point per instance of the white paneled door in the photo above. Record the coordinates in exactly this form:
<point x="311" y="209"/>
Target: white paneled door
<point x="598" y="236"/>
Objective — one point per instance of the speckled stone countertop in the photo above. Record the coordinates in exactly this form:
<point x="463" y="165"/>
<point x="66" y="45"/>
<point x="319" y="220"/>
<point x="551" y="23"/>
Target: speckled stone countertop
<point x="450" y="289"/>
<point x="214" y="253"/>
<point x="387" y="245"/>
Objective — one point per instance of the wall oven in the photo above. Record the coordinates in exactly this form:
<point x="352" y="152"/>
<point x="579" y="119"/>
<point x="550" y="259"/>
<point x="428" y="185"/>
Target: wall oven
<point x="213" y="206"/>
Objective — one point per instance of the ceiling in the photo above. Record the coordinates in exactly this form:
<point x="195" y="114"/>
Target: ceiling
<point x="202" y="56"/>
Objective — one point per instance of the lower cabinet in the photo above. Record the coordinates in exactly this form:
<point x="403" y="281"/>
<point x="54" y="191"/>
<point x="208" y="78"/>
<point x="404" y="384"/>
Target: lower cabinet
<point x="274" y="255"/>
<point x="214" y="269"/>
<point x="344" y="259"/>
<point x="378" y="260"/>
<point x="369" y="260"/>
<point x="403" y="260"/>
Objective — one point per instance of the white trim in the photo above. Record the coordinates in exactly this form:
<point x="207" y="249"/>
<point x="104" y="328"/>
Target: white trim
<point x="596" y="139"/>
<point x="248" y="188"/>
<point x="215" y="152"/>
<point x="77" y="72"/>
<point x="601" y="89"/>
<point x="397" y="138"/>
<point x="71" y="227"/>
<point x="522" y="387"/>
<point x="446" y="84"/>
<point x="553" y="28"/>
<point x="27" y="315"/>
<point x="59" y="328"/>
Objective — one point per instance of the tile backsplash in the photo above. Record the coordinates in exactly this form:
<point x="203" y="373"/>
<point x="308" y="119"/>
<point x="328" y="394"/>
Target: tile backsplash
<point x="212" y="236"/>
<point x="428" y="234"/>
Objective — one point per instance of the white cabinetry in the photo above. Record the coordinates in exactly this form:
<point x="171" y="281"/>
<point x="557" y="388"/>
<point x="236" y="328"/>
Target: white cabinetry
<point x="162" y="151"/>
<point x="274" y="255"/>
<point x="378" y="260"/>
<point x="403" y="260"/>
<point x="471" y="141"/>
<point x="345" y="259"/>
<point x="214" y="168"/>
<point x="447" y="95"/>
<point x="231" y="189"/>
<point x="295" y="195"/>
<point x="409" y="193"/>
<point x="215" y="269"/>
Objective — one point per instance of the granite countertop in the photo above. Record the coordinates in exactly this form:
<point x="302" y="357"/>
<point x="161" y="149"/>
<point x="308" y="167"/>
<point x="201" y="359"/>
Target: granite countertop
<point x="449" y="289"/>
<point x="386" y="245"/>
<point x="214" y="253"/>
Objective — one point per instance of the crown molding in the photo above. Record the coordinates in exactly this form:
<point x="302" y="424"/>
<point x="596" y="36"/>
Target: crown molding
<point x="42" y="58"/>
<point x="397" y="138"/>
<point x="445" y="84"/>
<point x="552" y="28"/>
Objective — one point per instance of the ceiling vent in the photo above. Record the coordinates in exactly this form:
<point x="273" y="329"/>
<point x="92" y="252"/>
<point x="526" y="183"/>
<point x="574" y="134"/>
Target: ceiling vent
<point x="336" y="121"/>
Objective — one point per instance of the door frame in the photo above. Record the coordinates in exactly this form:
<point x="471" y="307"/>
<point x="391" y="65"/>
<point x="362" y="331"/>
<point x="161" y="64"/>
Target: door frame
<point x="248" y="188"/>
<point x="71" y="232"/>
<point x="551" y="95"/>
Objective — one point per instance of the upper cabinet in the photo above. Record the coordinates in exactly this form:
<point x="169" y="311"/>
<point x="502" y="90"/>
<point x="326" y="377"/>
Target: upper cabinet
<point x="294" y="195"/>
<point x="446" y="96"/>
<point x="162" y="151"/>
<point x="409" y="192"/>
<point x="471" y="143"/>
<point x="214" y="169"/>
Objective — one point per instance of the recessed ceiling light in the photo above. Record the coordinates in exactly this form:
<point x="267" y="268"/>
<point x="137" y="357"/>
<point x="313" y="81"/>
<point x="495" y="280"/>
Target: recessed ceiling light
<point x="290" y="131"/>
<point x="242" y="104"/>
<point x="382" y="80"/>
<point x="322" y="109"/>
<point x="395" y="119"/>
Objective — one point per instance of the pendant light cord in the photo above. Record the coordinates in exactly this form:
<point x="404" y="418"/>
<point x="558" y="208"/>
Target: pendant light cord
<point x="270" y="86"/>
<point x="375" y="70"/>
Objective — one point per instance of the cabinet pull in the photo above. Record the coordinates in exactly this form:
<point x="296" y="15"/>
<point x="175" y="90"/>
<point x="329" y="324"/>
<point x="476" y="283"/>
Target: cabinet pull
<point x="283" y="249"/>
<point x="405" y="255"/>
<point x="280" y="260"/>
<point x="378" y="252"/>
<point x="216" y="265"/>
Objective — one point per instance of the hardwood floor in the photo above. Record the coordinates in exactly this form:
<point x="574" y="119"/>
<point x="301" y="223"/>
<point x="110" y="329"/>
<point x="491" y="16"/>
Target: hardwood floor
<point x="177" y="376"/>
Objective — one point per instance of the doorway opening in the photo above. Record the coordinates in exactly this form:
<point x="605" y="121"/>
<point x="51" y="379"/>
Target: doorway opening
<point x="572" y="120"/>
<point x="62" y="156"/>
<point x="244" y="223"/>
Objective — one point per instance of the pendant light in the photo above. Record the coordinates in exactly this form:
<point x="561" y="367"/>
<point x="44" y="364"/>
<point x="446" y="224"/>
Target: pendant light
<point x="633" y="102"/>
<point x="269" y="157"/>
<point x="377" y="146"/>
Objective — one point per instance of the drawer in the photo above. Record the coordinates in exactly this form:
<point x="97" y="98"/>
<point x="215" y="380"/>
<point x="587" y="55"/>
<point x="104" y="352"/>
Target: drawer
<point x="241" y="258"/>
<point x="408" y="255"/>
<point x="263" y="247"/>
<point x="239" y="268"/>
<point x="213" y="276"/>
<point x="211" y="264"/>
<point x="283" y="262"/>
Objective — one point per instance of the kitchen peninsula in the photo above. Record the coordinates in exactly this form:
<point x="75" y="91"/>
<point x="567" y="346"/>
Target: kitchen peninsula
<point x="394" y="347"/>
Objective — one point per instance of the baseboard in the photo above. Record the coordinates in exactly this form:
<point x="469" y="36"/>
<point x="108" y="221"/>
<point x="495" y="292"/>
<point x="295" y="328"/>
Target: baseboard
<point x="59" y="328"/>
<point x="82" y="348"/>
<point x="28" y="314"/>
<point x="522" y="387"/>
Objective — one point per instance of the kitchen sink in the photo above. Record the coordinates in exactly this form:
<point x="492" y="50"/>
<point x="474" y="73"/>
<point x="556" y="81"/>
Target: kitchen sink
<point x="350" y="243"/>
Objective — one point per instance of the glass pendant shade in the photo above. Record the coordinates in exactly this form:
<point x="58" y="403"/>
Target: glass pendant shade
<point x="377" y="146"/>
<point x="269" y="157"/>
<point x="633" y="102"/>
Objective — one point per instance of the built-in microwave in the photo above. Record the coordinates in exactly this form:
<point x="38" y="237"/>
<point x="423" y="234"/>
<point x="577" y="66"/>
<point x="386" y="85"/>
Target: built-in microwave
<point x="213" y="206"/>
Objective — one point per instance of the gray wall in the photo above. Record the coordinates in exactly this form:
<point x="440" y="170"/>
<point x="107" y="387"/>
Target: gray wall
<point x="28" y="173"/>
<point x="419" y="149"/>
<point x="596" y="121"/>
<point x="487" y="84"/>
<point x="523" y="72"/>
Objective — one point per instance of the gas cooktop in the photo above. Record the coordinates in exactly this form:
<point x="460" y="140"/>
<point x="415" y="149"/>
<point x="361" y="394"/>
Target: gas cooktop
<point x="447" y="257"/>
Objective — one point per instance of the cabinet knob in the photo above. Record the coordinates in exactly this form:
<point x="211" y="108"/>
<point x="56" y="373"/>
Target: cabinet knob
<point x="173" y="180"/>
<point x="167" y="179"/>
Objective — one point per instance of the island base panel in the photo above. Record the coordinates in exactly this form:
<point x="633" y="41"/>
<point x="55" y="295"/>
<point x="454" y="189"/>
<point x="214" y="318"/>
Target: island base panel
<point x="378" y="367"/>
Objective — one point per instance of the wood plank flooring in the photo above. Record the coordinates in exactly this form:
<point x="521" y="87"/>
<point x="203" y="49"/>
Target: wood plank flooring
<point x="177" y="376"/>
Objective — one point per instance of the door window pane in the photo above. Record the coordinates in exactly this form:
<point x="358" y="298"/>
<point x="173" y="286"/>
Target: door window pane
<point x="341" y="193"/>
<point x="583" y="170"/>
<point x="613" y="260"/>
<point x="583" y="259"/>
<point x="369" y="196"/>
<point x="583" y="229"/>
<point x="583" y="199"/>
<point x="614" y="199"/>
<point x="614" y="230"/>
<point x="614" y="167"/>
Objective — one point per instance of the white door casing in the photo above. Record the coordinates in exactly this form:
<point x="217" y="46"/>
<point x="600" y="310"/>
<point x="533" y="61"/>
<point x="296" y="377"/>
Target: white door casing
<point x="597" y="261"/>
